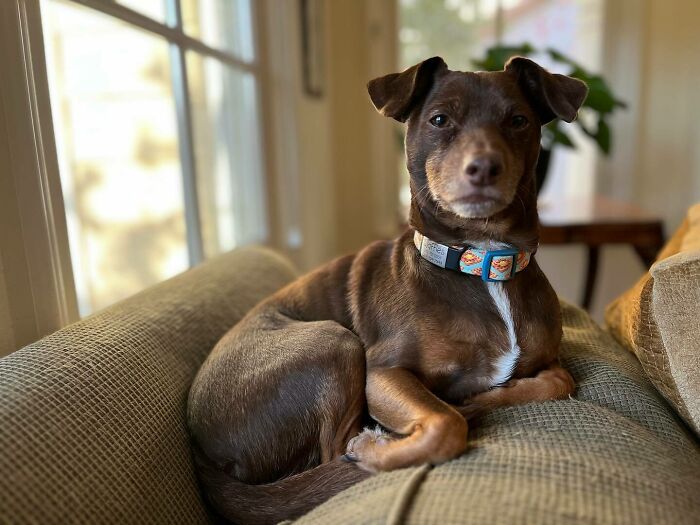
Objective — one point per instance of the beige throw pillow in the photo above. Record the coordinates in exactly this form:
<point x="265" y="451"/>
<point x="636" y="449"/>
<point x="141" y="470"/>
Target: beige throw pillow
<point x="659" y="320"/>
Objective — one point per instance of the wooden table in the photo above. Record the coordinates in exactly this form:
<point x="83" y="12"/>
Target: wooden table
<point x="595" y="221"/>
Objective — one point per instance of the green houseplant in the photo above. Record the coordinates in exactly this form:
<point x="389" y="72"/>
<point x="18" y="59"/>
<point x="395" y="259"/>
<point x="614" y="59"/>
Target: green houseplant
<point x="595" y="112"/>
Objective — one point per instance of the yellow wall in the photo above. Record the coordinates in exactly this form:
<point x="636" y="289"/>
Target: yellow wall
<point x="335" y="163"/>
<point x="361" y="46"/>
<point x="350" y="117"/>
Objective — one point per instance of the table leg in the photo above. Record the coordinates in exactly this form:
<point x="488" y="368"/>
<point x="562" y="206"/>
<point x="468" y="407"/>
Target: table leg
<point x="647" y="254"/>
<point x="591" y="273"/>
<point x="648" y="251"/>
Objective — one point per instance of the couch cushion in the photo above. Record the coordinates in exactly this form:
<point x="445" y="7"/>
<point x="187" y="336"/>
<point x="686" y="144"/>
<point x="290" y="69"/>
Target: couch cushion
<point x="658" y="320"/>
<point x="614" y="453"/>
<point x="93" y="416"/>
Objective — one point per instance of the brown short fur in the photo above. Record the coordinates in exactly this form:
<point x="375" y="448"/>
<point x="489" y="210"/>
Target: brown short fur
<point x="385" y="334"/>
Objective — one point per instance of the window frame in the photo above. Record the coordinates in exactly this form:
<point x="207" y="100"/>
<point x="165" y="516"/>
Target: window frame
<point x="39" y="291"/>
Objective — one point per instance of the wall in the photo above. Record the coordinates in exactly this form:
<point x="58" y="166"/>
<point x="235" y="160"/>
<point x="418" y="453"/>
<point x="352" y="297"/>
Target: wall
<point x="362" y="45"/>
<point x="651" y="60"/>
<point x="650" y="56"/>
<point x="657" y="164"/>
<point x="297" y="146"/>
<point x="350" y="117"/>
<point x="332" y="158"/>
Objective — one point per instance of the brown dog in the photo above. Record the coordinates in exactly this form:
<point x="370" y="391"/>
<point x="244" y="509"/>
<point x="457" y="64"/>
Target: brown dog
<point x="392" y="330"/>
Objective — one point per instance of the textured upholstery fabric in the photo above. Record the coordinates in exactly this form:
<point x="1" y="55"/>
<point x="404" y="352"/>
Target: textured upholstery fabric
<point x="92" y="418"/>
<point x="659" y="320"/>
<point x="92" y="427"/>
<point x="613" y="454"/>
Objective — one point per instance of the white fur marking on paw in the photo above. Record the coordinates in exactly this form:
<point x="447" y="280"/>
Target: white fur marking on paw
<point x="506" y="363"/>
<point x="376" y="434"/>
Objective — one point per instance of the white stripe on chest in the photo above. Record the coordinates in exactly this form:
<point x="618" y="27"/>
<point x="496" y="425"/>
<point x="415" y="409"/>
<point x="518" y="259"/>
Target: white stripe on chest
<point x="505" y="365"/>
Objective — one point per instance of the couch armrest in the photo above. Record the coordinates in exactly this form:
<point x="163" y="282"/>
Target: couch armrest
<point x="93" y="416"/>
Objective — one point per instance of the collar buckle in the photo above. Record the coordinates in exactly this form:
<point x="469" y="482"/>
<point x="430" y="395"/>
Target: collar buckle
<point x="503" y="269"/>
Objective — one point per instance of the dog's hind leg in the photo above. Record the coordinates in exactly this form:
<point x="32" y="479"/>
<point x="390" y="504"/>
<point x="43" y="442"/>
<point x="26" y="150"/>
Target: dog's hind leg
<point x="278" y="396"/>
<point x="271" y="411"/>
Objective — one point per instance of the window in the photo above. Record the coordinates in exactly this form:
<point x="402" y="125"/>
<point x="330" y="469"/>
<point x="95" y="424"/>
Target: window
<point x="156" y="114"/>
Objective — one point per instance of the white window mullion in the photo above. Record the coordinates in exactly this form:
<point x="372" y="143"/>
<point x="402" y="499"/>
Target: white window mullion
<point x="178" y="74"/>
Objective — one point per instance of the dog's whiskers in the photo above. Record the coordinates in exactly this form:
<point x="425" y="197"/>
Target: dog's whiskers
<point x="424" y="188"/>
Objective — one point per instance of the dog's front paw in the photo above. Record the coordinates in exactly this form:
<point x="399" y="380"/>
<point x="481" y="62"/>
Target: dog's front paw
<point x="365" y="448"/>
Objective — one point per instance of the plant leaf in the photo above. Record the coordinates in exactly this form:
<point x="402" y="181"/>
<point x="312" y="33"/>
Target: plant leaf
<point x="560" y="137"/>
<point x="602" y="137"/>
<point x="599" y="98"/>
<point x="557" y="56"/>
<point x="497" y="56"/>
<point x="585" y="128"/>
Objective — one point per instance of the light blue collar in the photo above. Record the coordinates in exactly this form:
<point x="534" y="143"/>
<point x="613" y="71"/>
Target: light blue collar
<point x="490" y="265"/>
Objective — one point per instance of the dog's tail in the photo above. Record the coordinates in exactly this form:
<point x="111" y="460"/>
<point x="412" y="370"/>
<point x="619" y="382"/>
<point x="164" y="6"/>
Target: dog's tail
<point x="288" y="498"/>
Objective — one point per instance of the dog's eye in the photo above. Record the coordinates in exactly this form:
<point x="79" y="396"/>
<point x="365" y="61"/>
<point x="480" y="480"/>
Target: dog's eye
<point x="439" y="121"/>
<point x="519" y="121"/>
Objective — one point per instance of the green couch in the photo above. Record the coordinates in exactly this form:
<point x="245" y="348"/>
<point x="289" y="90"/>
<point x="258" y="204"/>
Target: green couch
<point x="92" y="427"/>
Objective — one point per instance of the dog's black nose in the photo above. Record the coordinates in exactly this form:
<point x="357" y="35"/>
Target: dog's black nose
<point x="484" y="169"/>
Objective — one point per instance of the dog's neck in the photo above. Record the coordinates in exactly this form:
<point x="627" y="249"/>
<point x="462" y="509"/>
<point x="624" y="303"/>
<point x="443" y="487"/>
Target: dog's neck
<point x="517" y="225"/>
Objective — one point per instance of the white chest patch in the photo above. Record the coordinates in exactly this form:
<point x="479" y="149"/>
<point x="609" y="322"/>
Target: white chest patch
<point x="506" y="363"/>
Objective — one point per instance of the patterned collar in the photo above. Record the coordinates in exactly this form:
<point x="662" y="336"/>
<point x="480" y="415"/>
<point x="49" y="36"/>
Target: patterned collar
<point x="491" y="265"/>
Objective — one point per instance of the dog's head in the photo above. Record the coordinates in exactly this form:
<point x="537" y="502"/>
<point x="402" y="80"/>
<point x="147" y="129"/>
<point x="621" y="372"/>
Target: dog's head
<point x="473" y="139"/>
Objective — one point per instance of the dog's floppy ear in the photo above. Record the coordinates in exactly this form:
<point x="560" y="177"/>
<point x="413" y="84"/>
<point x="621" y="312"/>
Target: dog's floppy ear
<point x="553" y="96"/>
<point x="397" y="94"/>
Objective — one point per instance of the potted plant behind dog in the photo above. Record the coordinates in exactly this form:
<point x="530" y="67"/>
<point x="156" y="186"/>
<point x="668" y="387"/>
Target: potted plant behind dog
<point x="594" y="114"/>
